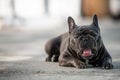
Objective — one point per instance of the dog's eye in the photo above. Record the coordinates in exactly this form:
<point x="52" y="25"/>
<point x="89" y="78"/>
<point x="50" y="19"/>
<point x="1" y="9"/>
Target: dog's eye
<point x="75" y="37"/>
<point x="94" y="34"/>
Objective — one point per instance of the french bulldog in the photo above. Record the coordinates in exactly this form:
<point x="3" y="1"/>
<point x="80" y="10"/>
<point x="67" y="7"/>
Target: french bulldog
<point x="79" y="47"/>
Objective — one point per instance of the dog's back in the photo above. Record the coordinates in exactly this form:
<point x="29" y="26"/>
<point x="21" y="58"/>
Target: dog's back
<point x="52" y="47"/>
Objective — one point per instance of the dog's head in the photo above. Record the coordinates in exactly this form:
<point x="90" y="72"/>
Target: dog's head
<point x="84" y="40"/>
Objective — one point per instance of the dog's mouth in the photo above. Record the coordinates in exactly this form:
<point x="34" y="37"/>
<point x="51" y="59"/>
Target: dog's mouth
<point x="87" y="53"/>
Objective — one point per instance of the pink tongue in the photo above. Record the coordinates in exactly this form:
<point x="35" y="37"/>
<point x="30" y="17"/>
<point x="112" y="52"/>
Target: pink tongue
<point x="87" y="52"/>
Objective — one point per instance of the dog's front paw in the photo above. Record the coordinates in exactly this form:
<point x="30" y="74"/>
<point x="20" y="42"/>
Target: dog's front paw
<point x="107" y="65"/>
<point x="55" y="58"/>
<point x="80" y="65"/>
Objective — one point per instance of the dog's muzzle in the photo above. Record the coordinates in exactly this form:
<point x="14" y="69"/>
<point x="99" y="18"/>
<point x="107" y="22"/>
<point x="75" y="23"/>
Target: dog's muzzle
<point x="87" y="46"/>
<point x="87" y="53"/>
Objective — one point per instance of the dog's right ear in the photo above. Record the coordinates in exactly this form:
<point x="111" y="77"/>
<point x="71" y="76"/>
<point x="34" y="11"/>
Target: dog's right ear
<point x="71" y="24"/>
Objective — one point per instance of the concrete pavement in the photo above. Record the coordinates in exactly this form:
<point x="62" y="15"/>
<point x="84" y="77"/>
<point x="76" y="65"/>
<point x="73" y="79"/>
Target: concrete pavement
<point x="22" y="55"/>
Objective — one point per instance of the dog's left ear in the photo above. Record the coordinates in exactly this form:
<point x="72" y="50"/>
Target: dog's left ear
<point x="71" y="24"/>
<point x="95" y="20"/>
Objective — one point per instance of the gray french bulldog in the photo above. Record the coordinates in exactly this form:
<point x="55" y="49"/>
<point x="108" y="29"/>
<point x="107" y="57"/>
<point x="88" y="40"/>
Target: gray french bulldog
<point x="79" y="47"/>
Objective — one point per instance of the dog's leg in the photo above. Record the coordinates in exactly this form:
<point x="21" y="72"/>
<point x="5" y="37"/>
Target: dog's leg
<point x="107" y="63"/>
<point x="49" y="58"/>
<point x="68" y="61"/>
<point x="52" y="57"/>
<point x="55" y="58"/>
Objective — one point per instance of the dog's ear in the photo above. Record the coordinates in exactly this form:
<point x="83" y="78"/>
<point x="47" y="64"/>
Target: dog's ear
<point x="95" y="20"/>
<point x="71" y="24"/>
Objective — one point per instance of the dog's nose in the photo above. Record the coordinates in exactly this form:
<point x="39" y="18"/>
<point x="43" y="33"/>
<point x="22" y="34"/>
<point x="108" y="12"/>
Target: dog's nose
<point x="85" y="39"/>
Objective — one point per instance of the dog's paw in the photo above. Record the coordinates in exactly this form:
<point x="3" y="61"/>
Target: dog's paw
<point x="48" y="59"/>
<point x="81" y="65"/>
<point x="55" y="58"/>
<point x="107" y="65"/>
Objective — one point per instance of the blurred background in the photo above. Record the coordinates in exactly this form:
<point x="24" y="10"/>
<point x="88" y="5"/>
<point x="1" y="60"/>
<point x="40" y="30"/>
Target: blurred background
<point x="26" y="25"/>
<point x="37" y="14"/>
